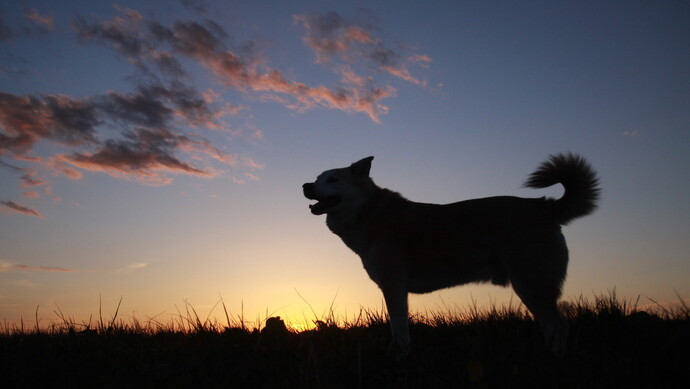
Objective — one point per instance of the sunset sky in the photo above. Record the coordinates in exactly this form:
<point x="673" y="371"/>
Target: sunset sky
<point x="155" y="151"/>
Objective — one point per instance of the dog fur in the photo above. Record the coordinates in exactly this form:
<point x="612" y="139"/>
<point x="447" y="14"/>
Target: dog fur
<point x="409" y="247"/>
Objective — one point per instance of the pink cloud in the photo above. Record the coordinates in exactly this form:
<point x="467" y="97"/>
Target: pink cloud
<point x="17" y="208"/>
<point x="403" y="73"/>
<point x="44" y="268"/>
<point x="358" y="34"/>
<point x="420" y="58"/>
<point x="252" y="164"/>
<point x="31" y="194"/>
<point x="43" y="21"/>
<point x="196" y="41"/>
<point x="143" y="154"/>
<point x="329" y="35"/>
<point x="24" y="120"/>
<point x="239" y="69"/>
<point x="29" y="180"/>
<point x="357" y="98"/>
<point x="153" y="147"/>
<point x="58" y="166"/>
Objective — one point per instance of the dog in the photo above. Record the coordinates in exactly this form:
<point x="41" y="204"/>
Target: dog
<point x="410" y="247"/>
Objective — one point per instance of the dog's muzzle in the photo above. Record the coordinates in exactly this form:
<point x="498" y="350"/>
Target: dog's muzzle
<point x="322" y="204"/>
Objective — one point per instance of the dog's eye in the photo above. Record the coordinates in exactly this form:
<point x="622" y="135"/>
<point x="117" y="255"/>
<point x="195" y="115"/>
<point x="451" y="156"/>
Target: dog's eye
<point x="331" y="180"/>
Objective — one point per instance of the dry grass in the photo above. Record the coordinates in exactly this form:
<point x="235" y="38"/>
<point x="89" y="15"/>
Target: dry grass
<point x="613" y="343"/>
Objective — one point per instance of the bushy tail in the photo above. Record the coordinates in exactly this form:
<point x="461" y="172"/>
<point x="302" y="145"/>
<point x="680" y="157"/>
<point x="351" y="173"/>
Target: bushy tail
<point x="579" y="180"/>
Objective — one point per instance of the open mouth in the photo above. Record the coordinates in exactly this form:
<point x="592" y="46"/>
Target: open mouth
<point x="324" y="204"/>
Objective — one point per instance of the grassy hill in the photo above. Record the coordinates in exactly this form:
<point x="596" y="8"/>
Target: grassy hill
<point x="612" y="345"/>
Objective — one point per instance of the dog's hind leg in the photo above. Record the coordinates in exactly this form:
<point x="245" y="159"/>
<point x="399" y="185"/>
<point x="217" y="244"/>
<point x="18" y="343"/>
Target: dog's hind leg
<point x="539" y="289"/>
<point x="395" y="294"/>
<point x="545" y="311"/>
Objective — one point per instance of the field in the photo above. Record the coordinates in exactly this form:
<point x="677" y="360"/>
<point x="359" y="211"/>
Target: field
<point x="612" y="344"/>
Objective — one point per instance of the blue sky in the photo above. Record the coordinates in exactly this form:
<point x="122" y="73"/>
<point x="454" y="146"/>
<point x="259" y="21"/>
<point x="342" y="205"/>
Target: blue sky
<point x="155" y="151"/>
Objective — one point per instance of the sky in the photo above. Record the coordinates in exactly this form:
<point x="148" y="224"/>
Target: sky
<point x="154" y="151"/>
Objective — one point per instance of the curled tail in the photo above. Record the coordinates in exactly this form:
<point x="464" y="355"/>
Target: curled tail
<point x="579" y="180"/>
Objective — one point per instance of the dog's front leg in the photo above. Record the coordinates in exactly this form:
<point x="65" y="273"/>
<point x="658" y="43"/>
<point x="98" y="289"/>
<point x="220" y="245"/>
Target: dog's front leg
<point x="395" y="294"/>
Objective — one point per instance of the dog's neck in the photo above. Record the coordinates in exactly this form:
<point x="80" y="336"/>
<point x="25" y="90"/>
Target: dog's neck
<point x="378" y="201"/>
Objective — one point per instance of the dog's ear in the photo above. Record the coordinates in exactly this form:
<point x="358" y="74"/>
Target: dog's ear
<point x="362" y="167"/>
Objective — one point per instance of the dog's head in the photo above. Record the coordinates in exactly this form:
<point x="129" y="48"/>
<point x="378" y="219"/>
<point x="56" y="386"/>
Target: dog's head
<point x="340" y="189"/>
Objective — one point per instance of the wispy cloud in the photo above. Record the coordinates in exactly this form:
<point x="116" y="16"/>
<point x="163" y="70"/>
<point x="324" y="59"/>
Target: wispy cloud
<point x="30" y="180"/>
<point x="151" y="44"/>
<point x="27" y="119"/>
<point x="7" y="266"/>
<point x="131" y="267"/>
<point x="195" y="5"/>
<point x="44" y="22"/>
<point x="44" y="268"/>
<point x="6" y="32"/>
<point x="147" y="149"/>
<point x="31" y="24"/>
<point x="18" y="208"/>
<point x="137" y="265"/>
<point x="331" y="36"/>
<point x="159" y="129"/>
<point x="142" y="154"/>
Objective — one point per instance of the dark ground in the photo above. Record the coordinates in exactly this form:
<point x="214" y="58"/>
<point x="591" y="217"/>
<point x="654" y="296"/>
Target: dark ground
<point x="607" y="349"/>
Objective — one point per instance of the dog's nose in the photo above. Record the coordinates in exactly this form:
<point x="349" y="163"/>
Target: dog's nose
<point x="308" y="189"/>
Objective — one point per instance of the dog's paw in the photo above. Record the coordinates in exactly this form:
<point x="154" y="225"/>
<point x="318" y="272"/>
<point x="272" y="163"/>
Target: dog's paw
<point x="398" y="351"/>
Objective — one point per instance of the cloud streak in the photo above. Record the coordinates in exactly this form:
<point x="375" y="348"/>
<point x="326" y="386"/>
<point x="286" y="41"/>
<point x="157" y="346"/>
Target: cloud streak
<point x="7" y="266"/>
<point x="44" y="23"/>
<point x="44" y="268"/>
<point x="142" y="153"/>
<point x="25" y="120"/>
<point x="194" y="5"/>
<point x="32" y="23"/>
<point x="18" y="208"/>
<point x="331" y="36"/>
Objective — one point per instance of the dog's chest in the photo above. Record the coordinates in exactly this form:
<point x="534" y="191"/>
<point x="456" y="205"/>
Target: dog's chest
<point x="366" y="250"/>
<point x="376" y="260"/>
<point x="372" y="267"/>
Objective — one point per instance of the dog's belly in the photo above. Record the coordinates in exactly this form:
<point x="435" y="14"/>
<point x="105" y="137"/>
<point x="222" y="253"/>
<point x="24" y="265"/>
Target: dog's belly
<point x="426" y="276"/>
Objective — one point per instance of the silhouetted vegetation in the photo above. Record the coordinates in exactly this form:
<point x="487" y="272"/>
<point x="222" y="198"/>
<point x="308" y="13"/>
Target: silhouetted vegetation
<point x="612" y="345"/>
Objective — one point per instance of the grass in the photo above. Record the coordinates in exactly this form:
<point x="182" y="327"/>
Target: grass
<point x="612" y="344"/>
